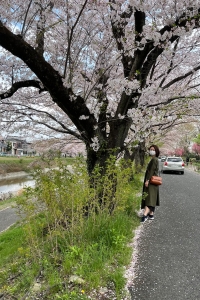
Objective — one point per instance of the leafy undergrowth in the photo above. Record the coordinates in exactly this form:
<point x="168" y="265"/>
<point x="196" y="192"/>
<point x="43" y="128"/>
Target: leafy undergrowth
<point x="72" y="271"/>
<point x="62" y="250"/>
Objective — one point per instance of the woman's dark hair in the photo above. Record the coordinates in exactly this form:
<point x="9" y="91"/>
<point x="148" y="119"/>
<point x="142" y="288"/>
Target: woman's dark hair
<point x="156" y="149"/>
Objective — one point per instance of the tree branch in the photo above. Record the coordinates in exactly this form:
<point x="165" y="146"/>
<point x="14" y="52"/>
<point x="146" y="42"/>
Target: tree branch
<point x="171" y="63"/>
<point x="22" y="84"/>
<point x="118" y="30"/>
<point x="74" y="106"/>
<point x="22" y="31"/>
<point x="23" y="112"/>
<point x="181" y="77"/>
<point x="70" y="37"/>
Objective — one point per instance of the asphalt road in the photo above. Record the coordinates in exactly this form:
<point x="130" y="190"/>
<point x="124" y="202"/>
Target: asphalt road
<point x="168" y="260"/>
<point x="8" y="217"/>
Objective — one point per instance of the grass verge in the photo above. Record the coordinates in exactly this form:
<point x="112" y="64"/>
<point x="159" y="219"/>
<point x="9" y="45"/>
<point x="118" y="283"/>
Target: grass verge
<point x="8" y="202"/>
<point x="78" y="271"/>
<point x="57" y="252"/>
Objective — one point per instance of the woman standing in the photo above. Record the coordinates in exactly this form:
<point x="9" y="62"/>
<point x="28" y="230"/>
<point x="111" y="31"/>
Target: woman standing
<point x="150" y="192"/>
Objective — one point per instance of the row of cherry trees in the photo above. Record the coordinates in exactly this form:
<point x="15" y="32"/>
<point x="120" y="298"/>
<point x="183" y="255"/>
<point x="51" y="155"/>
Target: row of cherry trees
<point x="109" y="73"/>
<point x="182" y="140"/>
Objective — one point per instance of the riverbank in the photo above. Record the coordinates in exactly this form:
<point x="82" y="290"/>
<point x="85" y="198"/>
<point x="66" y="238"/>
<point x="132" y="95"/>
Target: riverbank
<point x="15" y="164"/>
<point x="27" y="164"/>
<point x="13" y="175"/>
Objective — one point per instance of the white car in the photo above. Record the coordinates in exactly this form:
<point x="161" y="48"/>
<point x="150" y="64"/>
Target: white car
<point x="173" y="164"/>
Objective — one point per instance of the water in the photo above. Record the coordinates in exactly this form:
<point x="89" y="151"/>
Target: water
<point x="15" y="184"/>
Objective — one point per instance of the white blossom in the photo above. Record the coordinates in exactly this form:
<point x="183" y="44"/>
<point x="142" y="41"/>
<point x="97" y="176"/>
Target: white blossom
<point x="83" y="117"/>
<point x="95" y="145"/>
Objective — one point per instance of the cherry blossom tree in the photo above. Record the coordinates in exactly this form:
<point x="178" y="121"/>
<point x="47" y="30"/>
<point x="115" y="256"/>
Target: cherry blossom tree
<point x="110" y="73"/>
<point x="196" y="145"/>
<point x="179" y="137"/>
<point x="196" y="148"/>
<point x="179" y="152"/>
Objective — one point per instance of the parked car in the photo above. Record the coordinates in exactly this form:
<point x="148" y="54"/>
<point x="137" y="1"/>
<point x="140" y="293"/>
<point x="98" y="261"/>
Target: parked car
<point x="173" y="164"/>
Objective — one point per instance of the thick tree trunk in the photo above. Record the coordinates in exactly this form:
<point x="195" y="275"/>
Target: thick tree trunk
<point x="106" y="180"/>
<point x="137" y="154"/>
<point x="105" y="157"/>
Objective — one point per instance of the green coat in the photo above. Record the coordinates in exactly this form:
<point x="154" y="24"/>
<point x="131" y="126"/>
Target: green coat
<point x="151" y="196"/>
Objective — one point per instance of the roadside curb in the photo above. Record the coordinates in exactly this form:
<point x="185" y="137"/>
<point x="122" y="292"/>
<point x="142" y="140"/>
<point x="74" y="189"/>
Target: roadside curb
<point x="191" y="168"/>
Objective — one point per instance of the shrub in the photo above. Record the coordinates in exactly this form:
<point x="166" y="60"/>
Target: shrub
<point x="63" y="240"/>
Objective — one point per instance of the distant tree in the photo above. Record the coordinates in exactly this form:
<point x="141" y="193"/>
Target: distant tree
<point x="196" y="148"/>
<point x="179" y="152"/>
<point x="8" y="146"/>
<point x="197" y="139"/>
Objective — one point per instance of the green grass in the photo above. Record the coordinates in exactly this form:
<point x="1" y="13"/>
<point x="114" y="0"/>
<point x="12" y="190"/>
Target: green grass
<point x="13" y="159"/>
<point x="10" y="241"/>
<point x="97" y="259"/>
<point x="7" y="203"/>
<point x="61" y="252"/>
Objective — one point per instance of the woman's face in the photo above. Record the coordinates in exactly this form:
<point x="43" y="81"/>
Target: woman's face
<point x="152" y="151"/>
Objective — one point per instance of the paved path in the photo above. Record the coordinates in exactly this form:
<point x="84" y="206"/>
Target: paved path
<point x="168" y="262"/>
<point x="8" y="217"/>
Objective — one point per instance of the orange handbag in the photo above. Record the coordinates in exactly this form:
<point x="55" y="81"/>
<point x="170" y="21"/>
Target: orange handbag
<point x="156" y="180"/>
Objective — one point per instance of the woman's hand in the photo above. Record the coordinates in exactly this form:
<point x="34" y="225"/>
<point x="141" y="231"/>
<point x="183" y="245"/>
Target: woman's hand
<point x="146" y="183"/>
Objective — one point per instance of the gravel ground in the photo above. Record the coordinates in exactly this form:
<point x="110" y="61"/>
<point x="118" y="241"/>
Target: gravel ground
<point x="165" y="263"/>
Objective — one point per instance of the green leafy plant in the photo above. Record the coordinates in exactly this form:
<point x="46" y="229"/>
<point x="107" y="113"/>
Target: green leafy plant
<point x="68" y="253"/>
